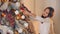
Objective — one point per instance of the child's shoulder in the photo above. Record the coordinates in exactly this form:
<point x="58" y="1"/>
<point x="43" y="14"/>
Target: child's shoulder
<point x="51" y="21"/>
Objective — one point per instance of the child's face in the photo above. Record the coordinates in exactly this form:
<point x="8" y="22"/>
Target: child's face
<point x="45" y="13"/>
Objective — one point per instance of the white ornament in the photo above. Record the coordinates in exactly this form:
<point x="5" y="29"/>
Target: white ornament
<point x="10" y="31"/>
<point x="20" y="30"/>
<point x="25" y="25"/>
<point x="23" y="17"/>
<point x="17" y="4"/>
<point x="16" y="12"/>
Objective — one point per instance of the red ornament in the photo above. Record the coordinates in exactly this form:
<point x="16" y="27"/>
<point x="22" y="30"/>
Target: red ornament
<point x="22" y="9"/>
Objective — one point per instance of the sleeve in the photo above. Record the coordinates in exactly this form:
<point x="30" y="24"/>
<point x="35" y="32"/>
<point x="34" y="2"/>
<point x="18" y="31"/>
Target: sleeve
<point x="37" y="18"/>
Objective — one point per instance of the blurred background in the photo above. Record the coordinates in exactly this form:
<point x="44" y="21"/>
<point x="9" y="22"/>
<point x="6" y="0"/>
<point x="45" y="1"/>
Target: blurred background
<point x="37" y="7"/>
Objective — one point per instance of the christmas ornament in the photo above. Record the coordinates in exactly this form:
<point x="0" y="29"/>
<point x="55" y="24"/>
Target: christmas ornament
<point x="18" y="17"/>
<point x="21" y="9"/>
<point x="15" y="5"/>
<point x="22" y="17"/>
<point x="20" y="30"/>
<point x="25" y="25"/>
<point x="3" y="15"/>
<point x="16" y="12"/>
<point x="10" y="31"/>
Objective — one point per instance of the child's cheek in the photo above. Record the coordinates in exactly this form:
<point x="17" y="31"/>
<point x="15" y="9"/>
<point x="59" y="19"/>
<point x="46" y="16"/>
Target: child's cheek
<point x="46" y="15"/>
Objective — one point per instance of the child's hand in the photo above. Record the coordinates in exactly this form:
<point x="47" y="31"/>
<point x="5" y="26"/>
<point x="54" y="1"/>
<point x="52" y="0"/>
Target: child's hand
<point x="33" y="14"/>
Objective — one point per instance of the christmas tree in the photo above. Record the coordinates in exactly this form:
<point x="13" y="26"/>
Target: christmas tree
<point x="12" y="17"/>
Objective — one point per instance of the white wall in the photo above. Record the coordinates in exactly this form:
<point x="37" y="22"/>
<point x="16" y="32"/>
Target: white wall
<point x="57" y="18"/>
<point x="29" y="4"/>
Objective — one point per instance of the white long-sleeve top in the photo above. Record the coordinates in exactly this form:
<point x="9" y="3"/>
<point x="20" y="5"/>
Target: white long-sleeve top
<point x="44" y="26"/>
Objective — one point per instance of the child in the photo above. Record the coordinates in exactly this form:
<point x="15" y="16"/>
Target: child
<point x="45" y="21"/>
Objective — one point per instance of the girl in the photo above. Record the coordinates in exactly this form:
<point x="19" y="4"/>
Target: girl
<point x="46" y="23"/>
